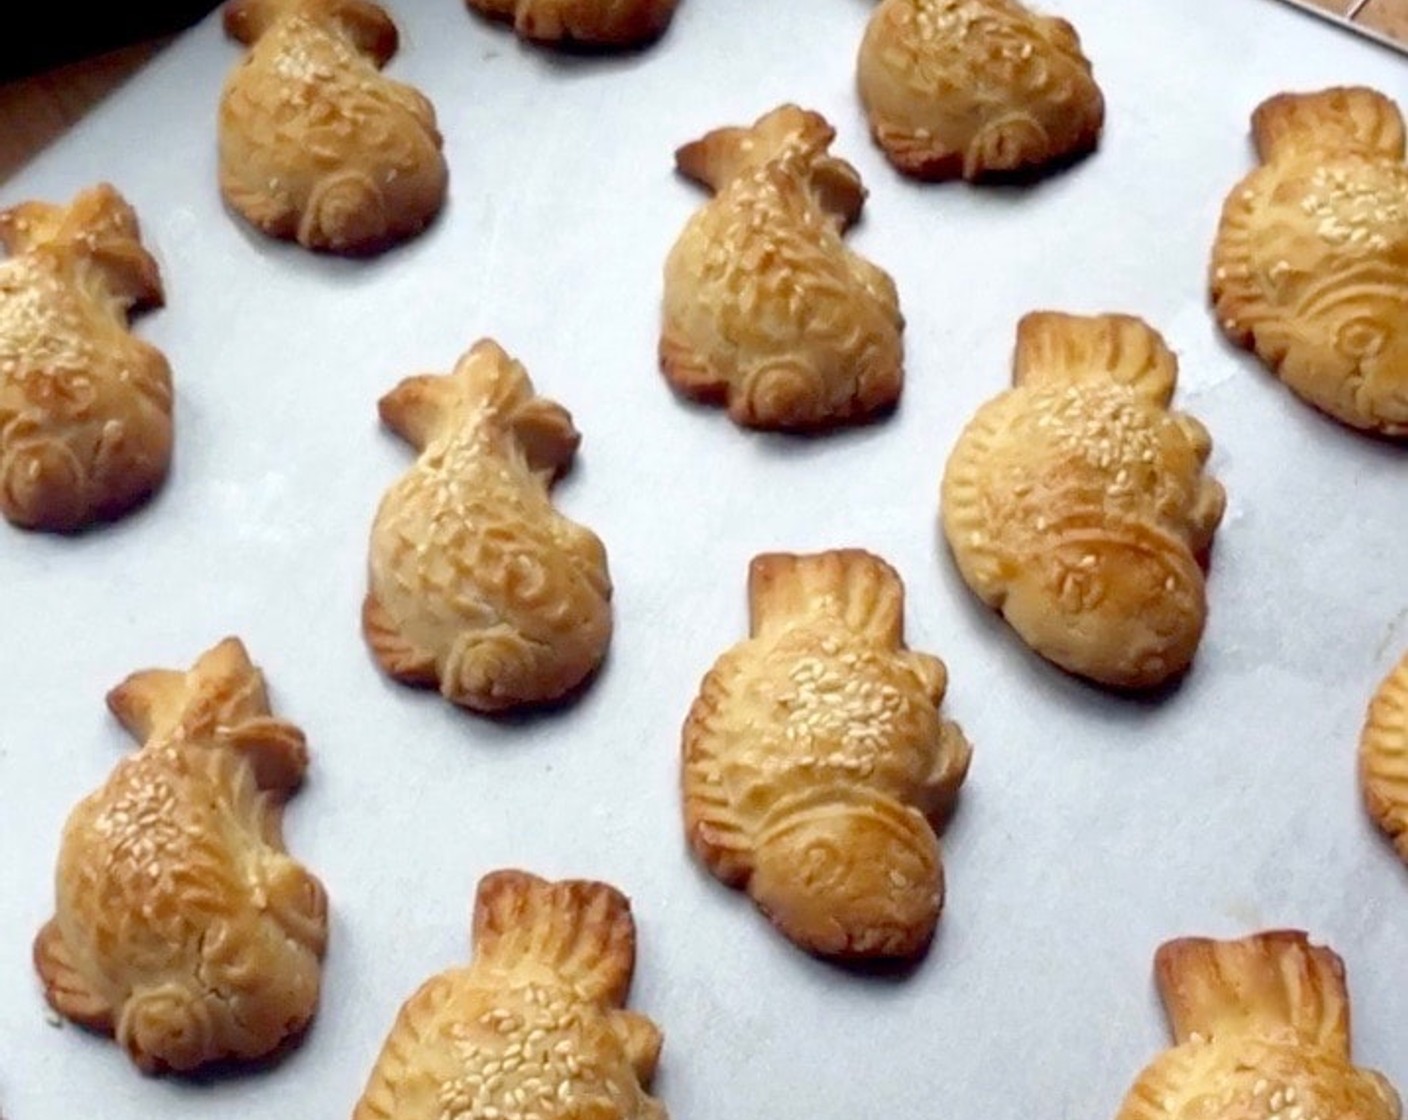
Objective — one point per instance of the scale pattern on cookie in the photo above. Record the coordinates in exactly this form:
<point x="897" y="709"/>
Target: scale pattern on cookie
<point x="816" y="765"/>
<point x="766" y="309"/>
<point x="316" y="145"/>
<point x="1261" y="1032"/>
<point x="536" y="1027"/>
<point x="477" y="584"/>
<point x="182" y="926"/>
<point x="1310" y="266"/>
<point x="1076" y="503"/>
<point x="974" y="88"/>
<point x="85" y="407"/>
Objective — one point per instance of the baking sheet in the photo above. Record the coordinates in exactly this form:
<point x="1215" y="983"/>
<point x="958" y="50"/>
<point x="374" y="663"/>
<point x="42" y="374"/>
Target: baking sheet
<point x="1091" y="828"/>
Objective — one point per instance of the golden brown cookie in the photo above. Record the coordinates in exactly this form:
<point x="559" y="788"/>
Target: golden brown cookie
<point x="315" y="144"/>
<point x="766" y="309"/>
<point x="1076" y="504"/>
<point x="606" y="23"/>
<point x="1383" y="757"/>
<point x="1310" y="267"/>
<point x="182" y="926"/>
<point x="816" y="764"/>
<point x="536" y="1026"/>
<point x="477" y="584"/>
<point x="1261" y="1027"/>
<point x="85" y="407"/>
<point x="976" y="88"/>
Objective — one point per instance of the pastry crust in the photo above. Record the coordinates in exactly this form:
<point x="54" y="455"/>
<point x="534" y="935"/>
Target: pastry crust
<point x="182" y="925"/>
<point x="535" y="1026"/>
<point x="974" y="88"/>
<point x="1076" y="504"/>
<point x="1310" y="266"/>
<point x="602" y="23"/>
<point x="85" y="407"/>
<point x="816" y="765"/>
<point x="1383" y="757"/>
<point x="766" y="309"/>
<point x="1261" y="1027"/>
<point x="477" y="584"/>
<point x="315" y="144"/>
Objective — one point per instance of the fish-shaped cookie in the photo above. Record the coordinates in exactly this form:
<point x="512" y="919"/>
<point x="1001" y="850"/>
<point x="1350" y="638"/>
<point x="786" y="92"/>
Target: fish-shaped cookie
<point x="1261" y="1032"/>
<point x="1383" y="757"/>
<point x="181" y="924"/>
<point x="316" y="145"/>
<point x="1310" y="266"/>
<point x="535" y="1026"/>
<point x="601" y="23"/>
<point x="1076" y="503"/>
<point x="85" y="406"/>
<point x="816" y="764"/>
<point x="477" y="584"/>
<point x="766" y="309"/>
<point x="974" y="88"/>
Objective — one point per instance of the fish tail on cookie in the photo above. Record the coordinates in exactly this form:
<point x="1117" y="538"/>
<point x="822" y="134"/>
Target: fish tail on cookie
<point x="365" y="24"/>
<point x="1278" y="979"/>
<point x="418" y="407"/>
<point x="865" y="590"/>
<point x="246" y="21"/>
<point x="581" y="931"/>
<point x="715" y="158"/>
<point x="542" y="427"/>
<point x="1054" y="348"/>
<point x="725" y="153"/>
<point x="1345" y="118"/>
<point x="99" y="226"/>
<point x="222" y="691"/>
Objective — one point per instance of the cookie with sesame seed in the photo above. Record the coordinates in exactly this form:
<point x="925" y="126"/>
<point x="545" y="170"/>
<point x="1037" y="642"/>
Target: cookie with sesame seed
<point x="766" y="309"/>
<point x="315" y="144"/>
<point x="1310" y="266"/>
<point x="476" y="583"/>
<point x="598" y="23"/>
<point x="1383" y="757"/>
<point x="181" y="924"/>
<point x="816" y="765"/>
<point x="535" y="1028"/>
<point x="976" y="88"/>
<point x="1261" y="1032"/>
<point x="85" y="407"/>
<point x="1076" y="504"/>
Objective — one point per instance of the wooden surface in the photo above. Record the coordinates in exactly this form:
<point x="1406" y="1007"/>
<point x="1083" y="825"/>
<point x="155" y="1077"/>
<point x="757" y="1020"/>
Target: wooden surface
<point x="1387" y="17"/>
<point x="34" y="112"/>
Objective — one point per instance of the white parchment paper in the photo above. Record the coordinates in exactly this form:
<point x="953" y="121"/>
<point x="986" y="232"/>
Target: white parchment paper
<point x="1091" y="828"/>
